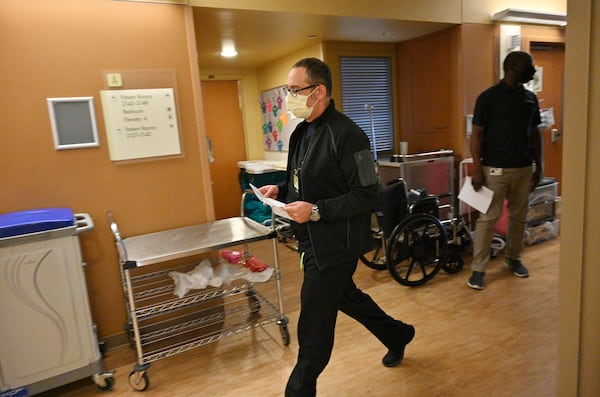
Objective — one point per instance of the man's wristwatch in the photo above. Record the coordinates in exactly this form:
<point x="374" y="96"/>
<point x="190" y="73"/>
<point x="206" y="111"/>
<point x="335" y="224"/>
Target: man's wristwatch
<point x="315" y="215"/>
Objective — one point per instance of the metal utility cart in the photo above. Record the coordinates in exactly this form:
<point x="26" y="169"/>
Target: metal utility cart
<point x="162" y="324"/>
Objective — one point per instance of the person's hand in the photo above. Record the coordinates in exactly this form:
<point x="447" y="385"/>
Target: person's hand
<point x="299" y="211"/>
<point x="269" y="191"/>
<point x="535" y="179"/>
<point x="478" y="179"/>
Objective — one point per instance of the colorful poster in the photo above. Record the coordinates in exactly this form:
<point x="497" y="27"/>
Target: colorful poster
<point x="278" y="123"/>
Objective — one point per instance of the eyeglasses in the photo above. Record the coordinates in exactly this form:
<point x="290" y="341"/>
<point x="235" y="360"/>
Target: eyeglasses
<point x="294" y="91"/>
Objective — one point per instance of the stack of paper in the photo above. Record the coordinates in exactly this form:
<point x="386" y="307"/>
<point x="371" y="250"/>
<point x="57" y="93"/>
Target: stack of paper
<point x="480" y="200"/>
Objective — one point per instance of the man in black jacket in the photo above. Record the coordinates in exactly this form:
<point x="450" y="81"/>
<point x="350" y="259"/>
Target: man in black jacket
<point x="331" y="189"/>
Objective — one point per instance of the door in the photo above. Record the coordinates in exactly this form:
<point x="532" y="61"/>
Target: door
<point x="551" y="58"/>
<point x="431" y="94"/>
<point x="224" y="128"/>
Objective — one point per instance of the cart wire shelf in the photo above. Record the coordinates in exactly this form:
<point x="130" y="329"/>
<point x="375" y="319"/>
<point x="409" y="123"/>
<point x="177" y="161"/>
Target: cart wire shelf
<point x="203" y="328"/>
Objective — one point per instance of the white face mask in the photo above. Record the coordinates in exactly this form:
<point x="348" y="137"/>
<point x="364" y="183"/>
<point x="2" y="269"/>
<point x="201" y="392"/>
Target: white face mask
<point x="297" y="105"/>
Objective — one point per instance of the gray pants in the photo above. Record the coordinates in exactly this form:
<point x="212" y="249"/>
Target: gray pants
<point x="514" y="184"/>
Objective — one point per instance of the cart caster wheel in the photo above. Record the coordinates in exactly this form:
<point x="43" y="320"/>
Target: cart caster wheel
<point x="285" y="335"/>
<point x="108" y="384"/>
<point x="139" y="380"/>
<point x="454" y="263"/>
<point x="283" y="330"/>
<point x="253" y="302"/>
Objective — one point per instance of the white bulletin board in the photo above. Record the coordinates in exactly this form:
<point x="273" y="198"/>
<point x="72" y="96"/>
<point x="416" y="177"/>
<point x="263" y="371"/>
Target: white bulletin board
<point x="140" y="123"/>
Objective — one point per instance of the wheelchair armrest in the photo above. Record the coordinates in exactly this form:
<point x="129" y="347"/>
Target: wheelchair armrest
<point x="443" y="195"/>
<point x="428" y="205"/>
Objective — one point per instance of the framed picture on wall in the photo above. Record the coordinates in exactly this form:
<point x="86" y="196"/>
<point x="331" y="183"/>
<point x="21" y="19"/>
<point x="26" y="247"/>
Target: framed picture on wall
<point x="73" y="122"/>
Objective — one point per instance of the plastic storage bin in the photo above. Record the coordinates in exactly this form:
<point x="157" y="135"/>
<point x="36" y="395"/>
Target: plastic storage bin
<point x="36" y="220"/>
<point x="47" y="337"/>
<point x="547" y="190"/>
<point x="540" y="212"/>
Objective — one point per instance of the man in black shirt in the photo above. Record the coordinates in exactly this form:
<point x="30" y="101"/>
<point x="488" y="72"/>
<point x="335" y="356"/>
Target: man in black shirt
<point x="507" y="156"/>
<point x="331" y="189"/>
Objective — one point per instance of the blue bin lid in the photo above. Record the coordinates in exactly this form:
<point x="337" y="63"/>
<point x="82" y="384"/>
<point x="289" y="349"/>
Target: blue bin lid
<point x="35" y="220"/>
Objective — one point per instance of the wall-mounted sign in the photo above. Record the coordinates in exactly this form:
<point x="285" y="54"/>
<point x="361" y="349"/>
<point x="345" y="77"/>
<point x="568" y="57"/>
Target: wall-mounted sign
<point x="141" y="123"/>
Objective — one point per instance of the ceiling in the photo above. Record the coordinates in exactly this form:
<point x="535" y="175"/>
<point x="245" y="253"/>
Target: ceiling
<point x="261" y="36"/>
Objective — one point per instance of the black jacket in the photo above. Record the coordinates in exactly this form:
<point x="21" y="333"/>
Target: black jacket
<point x="338" y="174"/>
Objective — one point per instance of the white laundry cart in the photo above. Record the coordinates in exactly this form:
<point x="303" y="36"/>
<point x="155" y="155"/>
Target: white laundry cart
<point x="47" y="338"/>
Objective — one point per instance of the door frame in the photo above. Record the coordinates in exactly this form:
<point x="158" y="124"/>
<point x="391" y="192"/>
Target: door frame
<point x="550" y="36"/>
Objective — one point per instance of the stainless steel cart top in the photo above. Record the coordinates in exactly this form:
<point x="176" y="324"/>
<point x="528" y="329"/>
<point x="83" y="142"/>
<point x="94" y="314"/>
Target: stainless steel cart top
<point x="148" y="249"/>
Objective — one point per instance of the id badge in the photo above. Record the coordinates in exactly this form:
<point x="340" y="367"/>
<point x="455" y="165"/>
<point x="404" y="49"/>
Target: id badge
<point x="296" y="180"/>
<point x="495" y="171"/>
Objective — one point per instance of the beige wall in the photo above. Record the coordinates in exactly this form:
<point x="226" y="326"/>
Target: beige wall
<point x="579" y="295"/>
<point x="62" y="49"/>
<point x="275" y="73"/>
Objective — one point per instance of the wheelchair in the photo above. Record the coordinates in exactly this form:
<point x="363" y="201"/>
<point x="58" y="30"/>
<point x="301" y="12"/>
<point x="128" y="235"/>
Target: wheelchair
<point x="410" y="240"/>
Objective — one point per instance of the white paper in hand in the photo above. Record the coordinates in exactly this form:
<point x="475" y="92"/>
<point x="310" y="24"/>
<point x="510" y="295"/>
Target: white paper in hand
<point x="480" y="200"/>
<point x="276" y="206"/>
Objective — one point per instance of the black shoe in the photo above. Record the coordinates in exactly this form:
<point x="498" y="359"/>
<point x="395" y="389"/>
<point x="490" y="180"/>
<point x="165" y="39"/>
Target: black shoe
<point x="476" y="281"/>
<point x="517" y="267"/>
<point x="393" y="358"/>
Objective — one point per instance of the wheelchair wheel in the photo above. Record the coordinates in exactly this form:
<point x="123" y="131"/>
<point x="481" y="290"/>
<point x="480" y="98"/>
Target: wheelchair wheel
<point x="417" y="250"/>
<point x="454" y="262"/>
<point x="375" y="259"/>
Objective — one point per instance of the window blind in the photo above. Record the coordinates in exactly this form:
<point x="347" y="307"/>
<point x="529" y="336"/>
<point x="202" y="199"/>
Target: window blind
<point x="367" y="89"/>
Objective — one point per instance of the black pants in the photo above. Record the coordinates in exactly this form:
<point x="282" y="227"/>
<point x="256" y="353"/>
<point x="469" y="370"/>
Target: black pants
<point x="323" y="293"/>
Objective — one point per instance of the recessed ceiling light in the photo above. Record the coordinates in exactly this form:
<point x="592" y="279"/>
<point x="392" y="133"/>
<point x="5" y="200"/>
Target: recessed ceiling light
<point x="228" y="49"/>
<point x="312" y="36"/>
<point x="229" y="53"/>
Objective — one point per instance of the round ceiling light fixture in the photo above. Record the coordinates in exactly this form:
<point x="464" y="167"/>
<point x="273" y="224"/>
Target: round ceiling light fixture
<point x="228" y="49"/>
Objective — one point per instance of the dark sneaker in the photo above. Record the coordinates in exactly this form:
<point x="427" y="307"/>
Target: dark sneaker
<point x="476" y="280"/>
<point x="516" y="267"/>
<point x="393" y="358"/>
